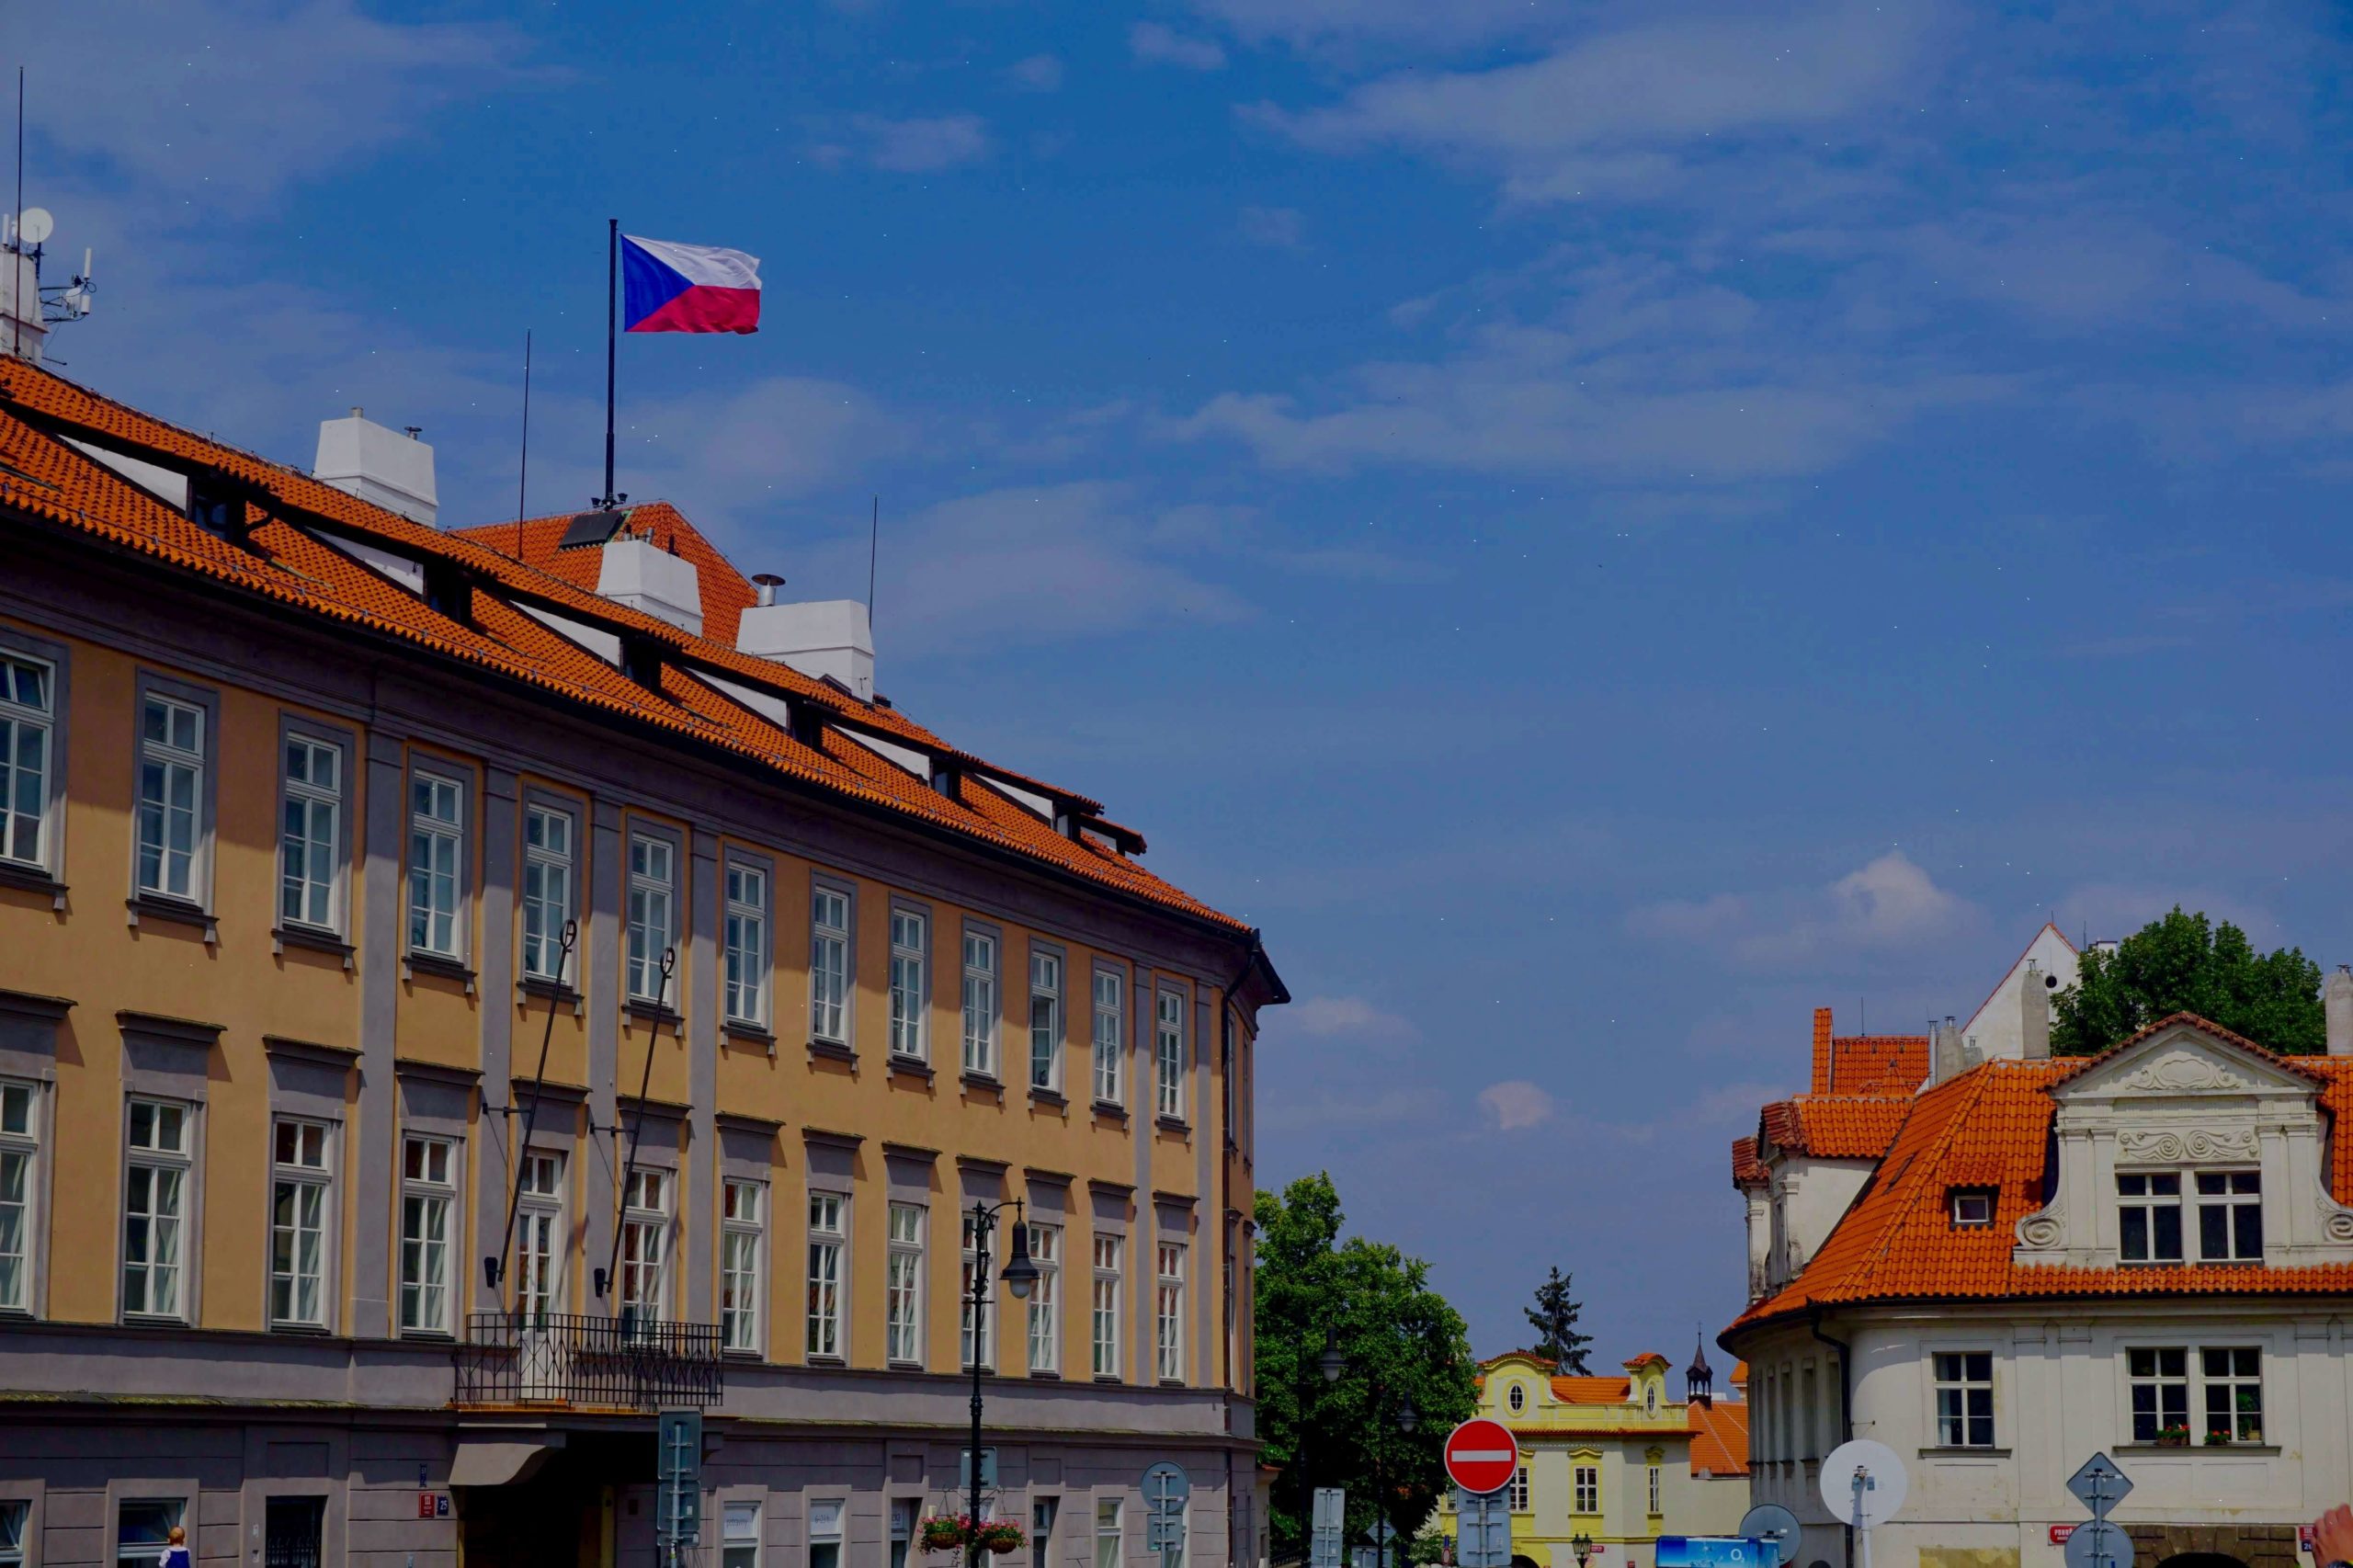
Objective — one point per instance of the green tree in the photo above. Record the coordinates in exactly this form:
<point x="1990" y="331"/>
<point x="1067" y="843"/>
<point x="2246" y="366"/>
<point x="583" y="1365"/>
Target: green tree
<point x="2181" y="964"/>
<point x="1400" y="1342"/>
<point x="1554" y="1319"/>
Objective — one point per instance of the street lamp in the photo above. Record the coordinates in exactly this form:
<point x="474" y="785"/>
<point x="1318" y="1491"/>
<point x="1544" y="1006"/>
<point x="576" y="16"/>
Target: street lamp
<point x="1408" y="1420"/>
<point x="1021" y="1276"/>
<point x="1331" y="1364"/>
<point x="1582" y="1544"/>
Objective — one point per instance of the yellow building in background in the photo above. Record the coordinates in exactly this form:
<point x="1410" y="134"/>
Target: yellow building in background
<point x="1613" y="1459"/>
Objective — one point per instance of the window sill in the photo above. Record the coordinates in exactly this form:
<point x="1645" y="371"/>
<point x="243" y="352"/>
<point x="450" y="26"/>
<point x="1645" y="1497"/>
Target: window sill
<point x="2259" y="1450"/>
<point x="1040" y="1095"/>
<point x="1046" y="1373"/>
<point x="429" y="1335"/>
<point x="757" y="1034"/>
<point x="913" y="1066"/>
<point x="1108" y="1378"/>
<point x="152" y="1319"/>
<point x="311" y="939"/>
<point x="1964" y="1452"/>
<point x="655" y="1014"/>
<point x="987" y="1082"/>
<point x="737" y="1354"/>
<point x="175" y="912"/>
<point x="312" y="1330"/>
<point x="1173" y="1124"/>
<point x="828" y="1361"/>
<point x="1111" y="1108"/>
<point x="834" y="1048"/>
<point x="438" y="965"/>
<point x="553" y="992"/>
<point x="33" y="879"/>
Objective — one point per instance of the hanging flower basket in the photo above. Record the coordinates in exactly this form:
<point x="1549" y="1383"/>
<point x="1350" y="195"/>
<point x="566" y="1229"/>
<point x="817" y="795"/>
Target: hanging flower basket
<point x="1000" y="1536"/>
<point x="943" y="1532"/>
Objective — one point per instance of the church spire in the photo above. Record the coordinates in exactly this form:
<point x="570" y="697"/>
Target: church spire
<point x="1698" y="1378"/>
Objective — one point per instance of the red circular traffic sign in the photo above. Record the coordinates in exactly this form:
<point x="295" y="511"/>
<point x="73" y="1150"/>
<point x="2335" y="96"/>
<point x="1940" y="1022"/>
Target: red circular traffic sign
<point x="1481" y="1455"/>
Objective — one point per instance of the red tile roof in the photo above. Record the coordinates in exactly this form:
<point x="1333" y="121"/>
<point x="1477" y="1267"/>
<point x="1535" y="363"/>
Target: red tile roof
<point x="1867" y="1063"/>
<point x="1990" y="1128"/>
<point x="1746" y="1170"/>
<point x="1579" y="1390"/>
<point x="726" y="594"/>
<point x="1720" y="1443"/>
<point x="1832" y="1126"/>
<point x="284" y="560"/>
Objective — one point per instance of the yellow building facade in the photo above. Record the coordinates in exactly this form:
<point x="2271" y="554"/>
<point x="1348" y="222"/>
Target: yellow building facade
<point x="1614" y="1460"/>
<point x="349" y="1212"/>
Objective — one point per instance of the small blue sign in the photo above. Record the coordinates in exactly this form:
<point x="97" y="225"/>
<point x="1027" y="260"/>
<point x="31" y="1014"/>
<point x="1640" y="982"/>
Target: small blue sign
<point x="1714" y="1551"/>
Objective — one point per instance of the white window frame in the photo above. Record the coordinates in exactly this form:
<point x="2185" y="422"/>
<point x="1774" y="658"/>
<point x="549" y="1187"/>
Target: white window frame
<point x="1585" y="1488"/>
<point x="432" y="838"/>
<point x="981" y="950"/>
<point x="16" y="1525"/>
<point x="745" y="945"/>
<point x="2151" y="1203"/>
<point x="20" y="1193"/>
<point x="551" y="877"/>
<point x="544" y="1245"/>
<point x="1168" y="1311"/>
<point x="167" y="1231"/>
<point x="829" y="962"/>
<point x="652" y="916"/>
<point x="175" y="1508"/>
<point x="1045" y="1305"/>
<point x="2231" y="1381"/>
<point x="1046" y="981"/>
<point x="427" y="1306"/>
<point x="967" y="1327"/>
<point x="902" y="1282"/>
<point x="1168" y="1054"/>
<point x="1957" y="1390"/>
<point x="310" y="868"/>
<point x="1109" y="1254"/>
<point x="1108" y="1539"/>
<point x="309" y="1178"/>
<point x="1110" y="1036"/>
<point x="827" y="1279"/>
<point x="2158" y="1380"/>
<point x="643" y="1283"/>
<point x="743" y="1257"/>
<point x="910" y="982"/>
<point x="739" y="1533"/>
<point x="1655" y="1481"/>
<point x="826" y="1531"/>
<point x="2231" y="1202"/>
<point x="162" y="760"/>
<point x="26" y="836"/>
<point x="1973" y="1208"/>
<point x="1518" y="1484"/>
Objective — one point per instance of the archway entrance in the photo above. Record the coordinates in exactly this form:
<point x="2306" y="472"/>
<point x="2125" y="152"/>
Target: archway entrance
<point x="2214" y="1546"/>
<point x="2202" y="1559"/>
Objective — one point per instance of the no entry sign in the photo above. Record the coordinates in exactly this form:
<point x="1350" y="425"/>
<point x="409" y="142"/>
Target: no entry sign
<point x="1481" y="1455"/>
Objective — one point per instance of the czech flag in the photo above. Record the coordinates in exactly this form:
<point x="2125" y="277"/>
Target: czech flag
<point x="667" y="286"/>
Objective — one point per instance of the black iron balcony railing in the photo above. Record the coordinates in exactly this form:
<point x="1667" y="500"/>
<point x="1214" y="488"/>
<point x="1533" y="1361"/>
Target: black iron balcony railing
<point x="566" y="1359"/>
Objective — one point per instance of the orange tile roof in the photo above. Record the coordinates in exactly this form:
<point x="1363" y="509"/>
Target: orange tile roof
<point x="1832" y="1126"/>
<point x="1746" y="1170"/>
<point x="282" y="560"/>
<point x="1867" y="1063"/>
<point x="1720" y="1444"/>
<point x="1580" y="1390"/>
<point x="1990" y="1127"/>
<point x="726" y="594"/>
<point x="1644" y="1359"/>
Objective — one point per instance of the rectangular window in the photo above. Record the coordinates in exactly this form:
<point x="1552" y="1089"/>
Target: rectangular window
<point x="2230" y="1216"/>
<point x="27" y="701"/>
<point x="156" y="1210"/>
<point x="651" y="898"/>
<point x="909" y="935"/>
<point x="2149" y="1216"/>
<point x="2233" y="1393"/>
<point x="903" y="1511"/>
<point x="2159" y="1378"/>
<point x="1041" y="1529"/>
<point x="1973" y="1207"/>
<point x="1168" y="1058"/>
<point x="547" y="892"/>
<point x="142" y="1529"/>
<point x="828" y="964"/>
<point x="980" y="1002"/>
<point x="825" y="1239"/>
<point x="1105" y="1314"/>
<point x="299" y="1208"/>
<point x="1168" y="1312"/>
<point x="739" y="1535"/>
<point x="1588" y="1478"/>
<point x="742" y="1231"/>
<point x="824" y="1532"/>
<point x="1110" y="1034"/>
<point x="171" y="786"/>
<point x="20" y="1156"/>
<point x="428" y="1201"/>
<point x="976" y="1337"/>
<point x="1520" y="1490"/>
<point x="1965" y="1399"/>
<point x="645" y="1246"/>
<point x="1654" y="1480"/>
<point x="310" y="826"/>
<point x="746" y="974"/>
<point x="12" y="1533"/>
<point x="541" y="1242"/>
<point x="1045" y="1020"/>
<point x="1046" y="1299"/>
<point x="1106" y="1532"/>
<point x="435" y="837"/>
<point x="902" y="1287"/>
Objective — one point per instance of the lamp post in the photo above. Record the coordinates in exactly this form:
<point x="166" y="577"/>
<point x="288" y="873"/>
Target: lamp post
<point x="1020" y="1275"/>
<point x="1408" y="1420"/>
<point x="1582" y="1544"/>
<point x="1331" y="1364"/>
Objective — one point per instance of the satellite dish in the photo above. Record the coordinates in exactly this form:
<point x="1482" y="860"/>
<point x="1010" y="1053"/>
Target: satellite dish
<point x="34" y="224"/>
<point x="1863" y="1483"/>
<point x="1774" y="1526"/>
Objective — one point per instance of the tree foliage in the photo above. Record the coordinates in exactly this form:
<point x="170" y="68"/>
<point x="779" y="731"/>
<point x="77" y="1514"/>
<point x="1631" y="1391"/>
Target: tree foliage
<point x="1554" y="1319"/>
<point x="2181" y="964"/>
<point x="1402" y="1342"/>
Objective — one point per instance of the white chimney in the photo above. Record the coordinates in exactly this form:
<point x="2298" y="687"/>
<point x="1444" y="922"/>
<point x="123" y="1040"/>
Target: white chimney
<point x="391" y="468"/>
<point x="2034" y="1014"/>
<point x="2336" y="1003"/>
<point x="641" y="574"/>
<point x="22" y="331"/>
<point x="823" y="637"/>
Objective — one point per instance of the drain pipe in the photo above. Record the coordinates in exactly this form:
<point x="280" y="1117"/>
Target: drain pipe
<point x="1846" y="1401"/>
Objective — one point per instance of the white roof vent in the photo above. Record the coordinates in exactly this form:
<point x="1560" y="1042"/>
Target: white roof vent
<point x="820" y="637"/>
<point x="390" y="468"/>
<point x="641" y="574"/>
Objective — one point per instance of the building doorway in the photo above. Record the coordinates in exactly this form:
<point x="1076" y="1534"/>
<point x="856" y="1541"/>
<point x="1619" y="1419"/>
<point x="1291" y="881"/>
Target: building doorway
<point x="294" y="1532"/>
<point x="2202" y="1560"/>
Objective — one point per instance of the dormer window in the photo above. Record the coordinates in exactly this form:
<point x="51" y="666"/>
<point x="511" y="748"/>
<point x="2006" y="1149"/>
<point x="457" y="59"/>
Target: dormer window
<point x="2149" y="1216"/>
<point x="2229" y="1206"/>
<point x="2230" y="1216"/>
<point x="1518" y="1398"/>
<point x="215" y="511"/>
<point x="1973" y="1208"/>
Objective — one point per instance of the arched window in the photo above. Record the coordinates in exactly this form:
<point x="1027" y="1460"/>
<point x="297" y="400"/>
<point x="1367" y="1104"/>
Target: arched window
<point x="1650" y="1400"/>
<point x="1518" y="1398"/>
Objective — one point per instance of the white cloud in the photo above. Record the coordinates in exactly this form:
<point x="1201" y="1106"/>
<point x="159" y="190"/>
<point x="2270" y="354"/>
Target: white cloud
<point x="1285" y="228"/>
<point x="725" y="455"/>
<point x="1038" y="73"/>
<point x="1331" y="1112"/>
<point x="1515" y="1105"/>
<point x="1159" y="44"/>
<point x="1330" y="22"/>
<point x="1327" y="1016"/>
<point x="907" y="146"/>
<point x="1890" y="904"/>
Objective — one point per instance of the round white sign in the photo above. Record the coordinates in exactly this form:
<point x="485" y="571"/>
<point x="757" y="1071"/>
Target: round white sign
<point x="1862" y="1482"/>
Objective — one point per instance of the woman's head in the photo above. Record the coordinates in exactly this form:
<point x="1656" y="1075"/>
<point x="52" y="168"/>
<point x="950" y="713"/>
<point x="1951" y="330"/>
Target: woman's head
<point x="179" y="1535"/>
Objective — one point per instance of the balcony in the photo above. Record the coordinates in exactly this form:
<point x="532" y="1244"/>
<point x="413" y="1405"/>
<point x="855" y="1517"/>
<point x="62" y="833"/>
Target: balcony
<point x="569" y="1361"/>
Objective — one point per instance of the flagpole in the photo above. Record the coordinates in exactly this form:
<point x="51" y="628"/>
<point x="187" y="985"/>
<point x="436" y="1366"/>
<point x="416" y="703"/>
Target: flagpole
<point x="612" y="288"/>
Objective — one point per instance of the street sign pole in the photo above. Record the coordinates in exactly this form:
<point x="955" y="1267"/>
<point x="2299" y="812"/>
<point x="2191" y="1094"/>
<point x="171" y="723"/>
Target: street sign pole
<point x="2099" y="1486"/>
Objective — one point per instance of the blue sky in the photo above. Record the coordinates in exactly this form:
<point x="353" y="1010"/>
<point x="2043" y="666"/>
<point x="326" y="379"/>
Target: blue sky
<point x="1602" y="528"/>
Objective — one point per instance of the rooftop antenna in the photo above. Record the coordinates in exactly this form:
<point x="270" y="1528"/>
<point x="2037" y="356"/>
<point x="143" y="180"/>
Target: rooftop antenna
<point x="874" y="550"/>
<point x="523" y="468"/>
<point x="15" y="267"/>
